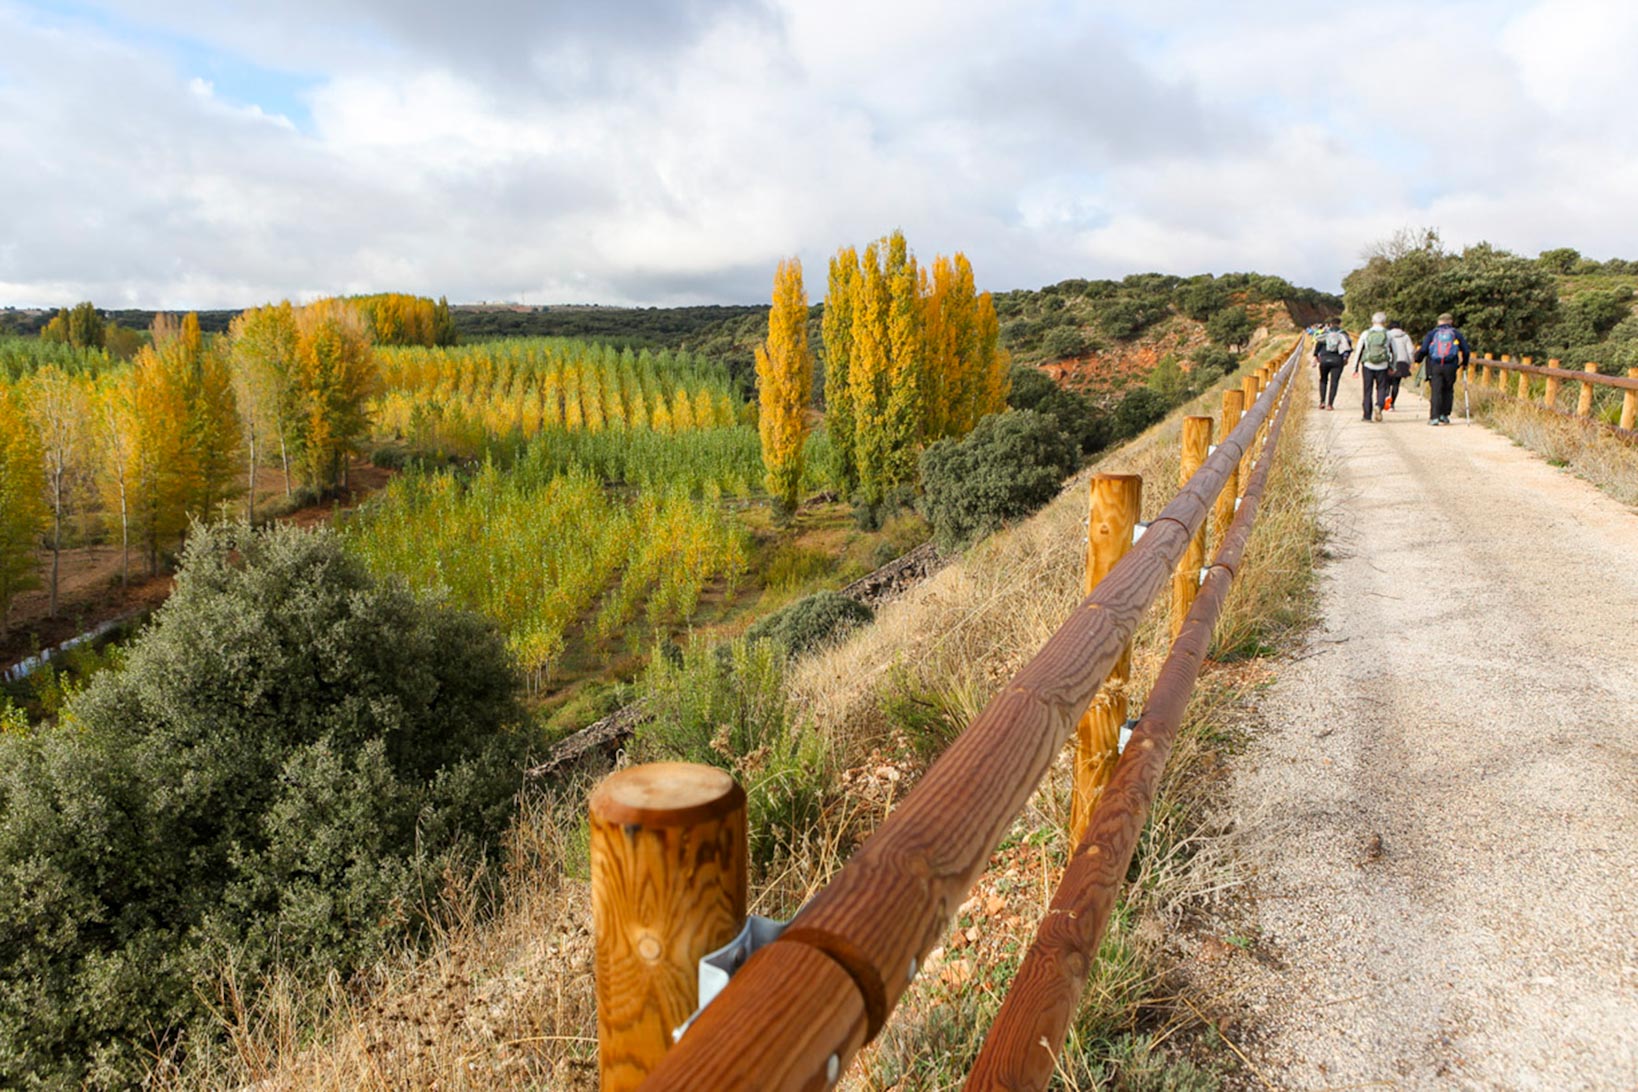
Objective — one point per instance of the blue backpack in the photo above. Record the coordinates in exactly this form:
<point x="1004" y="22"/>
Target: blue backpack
<point x="1443" y="346"/>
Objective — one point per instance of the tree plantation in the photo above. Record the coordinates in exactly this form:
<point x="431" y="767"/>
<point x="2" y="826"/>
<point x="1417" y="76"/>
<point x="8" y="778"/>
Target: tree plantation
<point x="406" y="566"/>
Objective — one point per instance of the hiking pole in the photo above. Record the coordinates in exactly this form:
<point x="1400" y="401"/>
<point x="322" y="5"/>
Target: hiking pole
<point x="1467" y="406"/>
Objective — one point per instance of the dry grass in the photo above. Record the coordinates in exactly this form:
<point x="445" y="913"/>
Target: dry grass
<point x="502" y="997"/>
<point x="1583" y="447"/>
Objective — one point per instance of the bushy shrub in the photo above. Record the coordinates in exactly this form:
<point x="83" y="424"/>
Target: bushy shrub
<point x="290" y="752"/>
<point x="1230" y="327"/>
<point x="811" y="622"/>
<point x="1075" y="414"/>
<point x="1215" y="358"/>
<point x="725" y="706"/>
<point x="1008" y="466"/>
<point x="1064" y="341"/>
<point x="1140" y="408"/>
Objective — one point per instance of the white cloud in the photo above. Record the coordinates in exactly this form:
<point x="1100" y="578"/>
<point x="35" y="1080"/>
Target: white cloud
<point x="659" y="152"/>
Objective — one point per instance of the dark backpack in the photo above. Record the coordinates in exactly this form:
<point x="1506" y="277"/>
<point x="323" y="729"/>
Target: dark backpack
<point x="1374" y="348"/>
<point x="1442" y="349"/>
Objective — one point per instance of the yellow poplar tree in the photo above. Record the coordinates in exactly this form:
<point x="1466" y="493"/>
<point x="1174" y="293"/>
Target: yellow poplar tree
<point x="870" y="352"/>
<point x="22" y="499"/>
<point x="335" y="378"/>
<point x="906" y="402"/>
<point x="836" y="327"/>
<point x="784" y="376"/>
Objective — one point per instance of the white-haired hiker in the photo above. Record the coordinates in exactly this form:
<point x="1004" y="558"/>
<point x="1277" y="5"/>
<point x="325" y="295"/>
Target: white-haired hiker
<point x="1373" y="353"/>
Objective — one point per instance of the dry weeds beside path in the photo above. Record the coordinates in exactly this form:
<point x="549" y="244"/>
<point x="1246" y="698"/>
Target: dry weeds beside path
<point x="1442" y="811"/>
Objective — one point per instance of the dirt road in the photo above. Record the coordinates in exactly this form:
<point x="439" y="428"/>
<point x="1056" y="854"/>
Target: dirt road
<point x="1442" y="813"/>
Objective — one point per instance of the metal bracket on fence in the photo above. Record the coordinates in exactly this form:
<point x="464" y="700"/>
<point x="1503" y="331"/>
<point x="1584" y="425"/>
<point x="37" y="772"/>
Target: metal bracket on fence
<point x="1138" y="528"/>
<point x="1211" y="449"/>
<point x="1125" y="735"/>
<point x="1237" y="503"/>
<point x="717" y="967"/>
<point x="1204" y="573"/>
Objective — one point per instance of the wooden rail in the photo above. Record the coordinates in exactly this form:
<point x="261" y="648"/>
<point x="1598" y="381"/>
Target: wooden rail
<point x="1021" y="1049"/>
<point x="800" y="1009"/>
<point x="1589" y="378"/>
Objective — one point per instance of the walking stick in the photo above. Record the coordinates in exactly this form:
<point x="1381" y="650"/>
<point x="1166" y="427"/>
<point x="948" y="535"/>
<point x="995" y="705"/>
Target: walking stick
<point x="1467" y="406"/>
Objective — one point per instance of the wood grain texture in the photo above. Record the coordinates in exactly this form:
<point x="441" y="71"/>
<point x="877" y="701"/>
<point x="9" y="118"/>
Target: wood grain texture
<point x="1115" y="503"/>
<point x="1629" y="403"/>
<point x="890" y="904"/>
<point x="1583" y="408"/>
<point x="1223" y="510"/>
<point x="1021" y="1049"/>
<point x="1549" y="395"/>
<point x="1195" y="440"/>
<point x="809" y="998"/>
<point x="668" y="887"/>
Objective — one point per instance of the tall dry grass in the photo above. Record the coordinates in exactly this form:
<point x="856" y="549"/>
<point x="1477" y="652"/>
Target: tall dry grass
<point x="502" y="996"/>
<point x="1584" y="447"/>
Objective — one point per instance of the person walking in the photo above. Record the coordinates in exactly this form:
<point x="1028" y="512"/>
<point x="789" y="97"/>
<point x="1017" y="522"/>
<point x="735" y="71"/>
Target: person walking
<point x="1446" y="352"/>
<point x="1404" y="354"/>
<point x="1331" y="354"/>
<point x="1372" y="357"/>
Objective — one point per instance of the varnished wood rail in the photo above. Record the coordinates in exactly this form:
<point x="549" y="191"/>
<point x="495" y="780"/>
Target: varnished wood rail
<point x="1022" y="1047"/>
<point x="799" y="1010"/>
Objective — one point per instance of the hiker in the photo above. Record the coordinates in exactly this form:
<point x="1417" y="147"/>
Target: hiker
<point x="1331" y="354"/>
<point x="1404" y="354"/>
<point x="1445" y="350"/>
<point x="1374" y="354"/>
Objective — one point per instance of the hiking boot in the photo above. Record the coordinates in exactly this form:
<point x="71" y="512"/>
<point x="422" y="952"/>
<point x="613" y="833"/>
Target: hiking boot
<point x="1444" y="420"/>
<point x="1376" y="415"/>
<point x="1433" y="420"/>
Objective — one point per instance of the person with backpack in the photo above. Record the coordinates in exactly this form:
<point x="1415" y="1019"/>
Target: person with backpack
<point x="1446" y="352"/>
<point x="1374" y="354"/>
<point x="1331" y="354"/>
<point x="1404" y="354"/>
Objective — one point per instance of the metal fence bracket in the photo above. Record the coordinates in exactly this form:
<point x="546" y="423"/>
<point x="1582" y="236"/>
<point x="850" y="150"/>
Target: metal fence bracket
<point x="717" y="967"/>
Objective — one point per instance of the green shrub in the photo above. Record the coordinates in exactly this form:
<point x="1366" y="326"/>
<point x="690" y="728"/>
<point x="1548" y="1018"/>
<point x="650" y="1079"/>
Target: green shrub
<point x="811" y="622"/>
<point x="725" y="706"/>
<point x="289" y="754"/>
<point x="1008" y="466"/>
<point x="1064" y="341"/>
<point x="1032" y="389"/>
<point x="1140" y="408"/>
<point x="1215" y="358"/>
<point x="1230" y="327"/>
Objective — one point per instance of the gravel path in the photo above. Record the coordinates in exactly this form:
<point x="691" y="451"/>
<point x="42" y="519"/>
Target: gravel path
<point x="1444" y="803"/>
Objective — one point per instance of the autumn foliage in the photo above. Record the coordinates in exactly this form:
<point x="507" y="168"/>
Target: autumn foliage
<point x="784" y="374"/>
<point x="911" y="357"/>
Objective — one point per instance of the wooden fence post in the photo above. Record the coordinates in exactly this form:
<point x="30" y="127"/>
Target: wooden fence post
<point x="1550" y="396"/>
<point x="1248" y="396"/>
<point x="1234" y="403"/>
<point x="1524" y="380"/>
<point x="1116" y="504"/>
<point x="668" y="887"/>
<point x="1629" y="403"/>
<point x="1583" y="408"/>
<point x="1186" y="580"/>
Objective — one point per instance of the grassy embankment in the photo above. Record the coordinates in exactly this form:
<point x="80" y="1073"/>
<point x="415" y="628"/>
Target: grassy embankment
<point x="1585" y="448"/>
<point x="502" y="997"/>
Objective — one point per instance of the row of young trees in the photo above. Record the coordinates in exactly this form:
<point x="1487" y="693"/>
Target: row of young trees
<point x="911" y="357"/>
<point x="146" y="447"/>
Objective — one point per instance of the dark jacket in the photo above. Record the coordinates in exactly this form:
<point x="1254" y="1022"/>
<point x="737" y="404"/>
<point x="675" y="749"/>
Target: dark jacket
<point x="1461" y="346"/>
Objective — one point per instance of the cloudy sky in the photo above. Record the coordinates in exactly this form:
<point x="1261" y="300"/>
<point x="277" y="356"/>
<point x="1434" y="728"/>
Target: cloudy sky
<point x="200" y="153"/>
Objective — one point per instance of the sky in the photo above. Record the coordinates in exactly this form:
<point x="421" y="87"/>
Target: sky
<point x="209" y="153"/>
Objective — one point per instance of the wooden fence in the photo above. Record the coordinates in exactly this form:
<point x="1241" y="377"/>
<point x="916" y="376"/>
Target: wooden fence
<point x="668" y="874"/>
<point x="1518" y="378"/>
